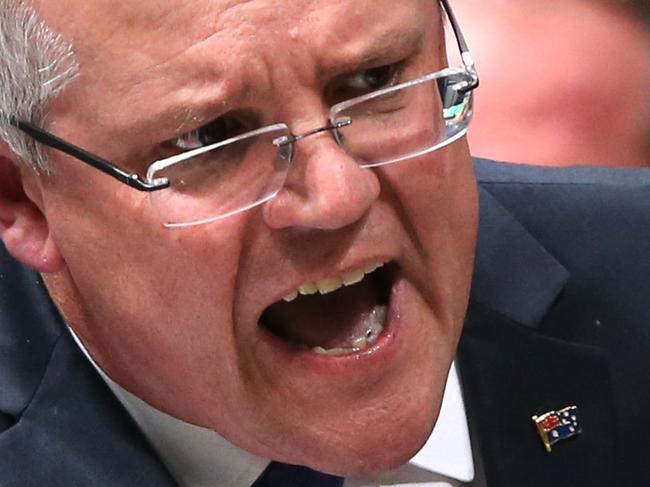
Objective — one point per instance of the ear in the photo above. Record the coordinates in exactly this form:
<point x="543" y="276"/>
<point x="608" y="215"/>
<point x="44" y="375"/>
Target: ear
<point x="23" y="227"/>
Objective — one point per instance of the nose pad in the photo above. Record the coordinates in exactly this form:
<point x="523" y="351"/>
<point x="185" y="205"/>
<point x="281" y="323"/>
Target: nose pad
<point x="285" y="154"/>
<point x="325" y="188"/>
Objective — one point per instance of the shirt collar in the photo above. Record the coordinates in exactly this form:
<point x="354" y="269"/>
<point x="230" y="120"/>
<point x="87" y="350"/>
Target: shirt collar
<point x="448" y="451"/>
<point x="197" y="456"/>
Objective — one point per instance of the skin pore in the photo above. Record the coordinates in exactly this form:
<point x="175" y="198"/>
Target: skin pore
<point x="173" y="315"/>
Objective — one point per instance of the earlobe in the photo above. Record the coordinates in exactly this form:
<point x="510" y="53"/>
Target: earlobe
<point x="23" y="227"/>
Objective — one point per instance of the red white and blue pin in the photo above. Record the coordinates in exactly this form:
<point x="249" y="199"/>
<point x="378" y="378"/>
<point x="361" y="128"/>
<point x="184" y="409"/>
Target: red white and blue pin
<point x="556" y="426"/>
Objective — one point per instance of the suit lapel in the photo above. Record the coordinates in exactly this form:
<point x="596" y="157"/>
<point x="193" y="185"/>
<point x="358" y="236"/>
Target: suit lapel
<point x="75" y="433"/>
<point x="510" y="370"/>
<point x="29" y="328"/>
<point x="513" y="272"/>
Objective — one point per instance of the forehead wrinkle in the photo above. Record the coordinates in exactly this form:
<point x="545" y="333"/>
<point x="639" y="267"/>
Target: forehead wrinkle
<point x="379" y="49"/>
<point x="217" y="28"/>
<point x="365" y="40"/>
<point x="226" y="85"/>
<point x="103" y="32"/>
<point x="187" y="88"/>
<point x="232" y="27"/>
<point x="203" y="55"/>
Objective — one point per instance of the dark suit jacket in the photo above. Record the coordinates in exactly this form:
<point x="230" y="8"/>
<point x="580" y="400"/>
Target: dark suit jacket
<point x="559" y="315"/>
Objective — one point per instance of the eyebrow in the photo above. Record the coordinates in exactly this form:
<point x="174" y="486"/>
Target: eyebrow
<point x="389" y="44"/>
<point x="183" y="114"/>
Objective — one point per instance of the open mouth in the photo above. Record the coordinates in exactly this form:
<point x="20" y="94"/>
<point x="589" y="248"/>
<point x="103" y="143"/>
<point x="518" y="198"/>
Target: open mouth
<point x="336" y="316"/>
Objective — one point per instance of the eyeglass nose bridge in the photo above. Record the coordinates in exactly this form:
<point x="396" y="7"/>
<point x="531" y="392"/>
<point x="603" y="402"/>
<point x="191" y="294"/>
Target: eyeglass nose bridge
<point x="291" y="138"/>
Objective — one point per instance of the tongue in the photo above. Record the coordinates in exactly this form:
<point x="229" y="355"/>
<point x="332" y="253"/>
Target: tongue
<point x="330" y="321"/>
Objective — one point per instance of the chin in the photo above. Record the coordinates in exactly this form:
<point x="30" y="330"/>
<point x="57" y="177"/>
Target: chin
<point x="371" y="438"/>
<point x="379" y="450"/>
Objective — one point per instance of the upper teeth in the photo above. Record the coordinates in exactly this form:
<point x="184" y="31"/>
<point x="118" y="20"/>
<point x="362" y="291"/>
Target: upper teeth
<point x="331" y="284"/>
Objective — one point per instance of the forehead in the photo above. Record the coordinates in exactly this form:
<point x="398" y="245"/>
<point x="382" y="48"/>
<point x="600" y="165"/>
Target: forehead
<point x="143" y="60"/>
<point x="153" y="28"/>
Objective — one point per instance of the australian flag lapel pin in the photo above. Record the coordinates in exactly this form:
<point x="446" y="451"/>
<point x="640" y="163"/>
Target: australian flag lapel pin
<point x="556" y="426"/>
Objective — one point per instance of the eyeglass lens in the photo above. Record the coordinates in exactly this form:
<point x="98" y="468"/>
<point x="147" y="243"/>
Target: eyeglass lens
<point x="401" y="124"/>
<point x="405" y="123"/>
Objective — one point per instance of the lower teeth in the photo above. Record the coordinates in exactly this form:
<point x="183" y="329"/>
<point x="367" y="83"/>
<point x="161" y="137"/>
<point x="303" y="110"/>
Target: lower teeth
<point x="376" y="325"/>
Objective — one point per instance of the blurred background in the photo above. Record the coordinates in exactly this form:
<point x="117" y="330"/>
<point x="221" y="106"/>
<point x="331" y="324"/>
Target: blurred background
<point x="563" y="82"/>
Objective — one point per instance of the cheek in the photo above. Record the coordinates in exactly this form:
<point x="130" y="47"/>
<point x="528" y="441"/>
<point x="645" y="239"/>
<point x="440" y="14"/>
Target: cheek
<point x="131" y="271"/>
<point x="438" y="203"/>
<point x="437" y="200"/>
<point x="137" y="286"/>
<point x="432" y="188"/>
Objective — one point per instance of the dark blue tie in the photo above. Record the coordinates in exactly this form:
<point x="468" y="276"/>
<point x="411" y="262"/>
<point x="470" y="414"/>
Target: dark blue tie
<point x="283" y="475"/>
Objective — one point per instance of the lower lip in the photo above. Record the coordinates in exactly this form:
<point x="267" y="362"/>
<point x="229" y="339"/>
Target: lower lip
<point x="378" y="354"/>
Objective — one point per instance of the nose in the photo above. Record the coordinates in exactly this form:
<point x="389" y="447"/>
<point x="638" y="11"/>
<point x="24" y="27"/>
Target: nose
<point x="325" y="189"/>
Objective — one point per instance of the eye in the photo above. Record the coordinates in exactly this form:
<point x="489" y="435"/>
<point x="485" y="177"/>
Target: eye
<point x="221" y="129"/>
<point x="366" y="81"/>
<point x="375" y="78"/>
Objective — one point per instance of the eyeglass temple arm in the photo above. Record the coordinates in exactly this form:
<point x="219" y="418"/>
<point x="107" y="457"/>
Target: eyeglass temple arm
<point x="130" y="179"/>
<point x="468" y="61"/>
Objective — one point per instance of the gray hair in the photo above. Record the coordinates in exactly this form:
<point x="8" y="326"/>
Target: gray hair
<point x="36" y="64"/>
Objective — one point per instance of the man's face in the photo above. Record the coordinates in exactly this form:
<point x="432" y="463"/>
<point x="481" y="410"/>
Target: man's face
<point x="189" y="319"/>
